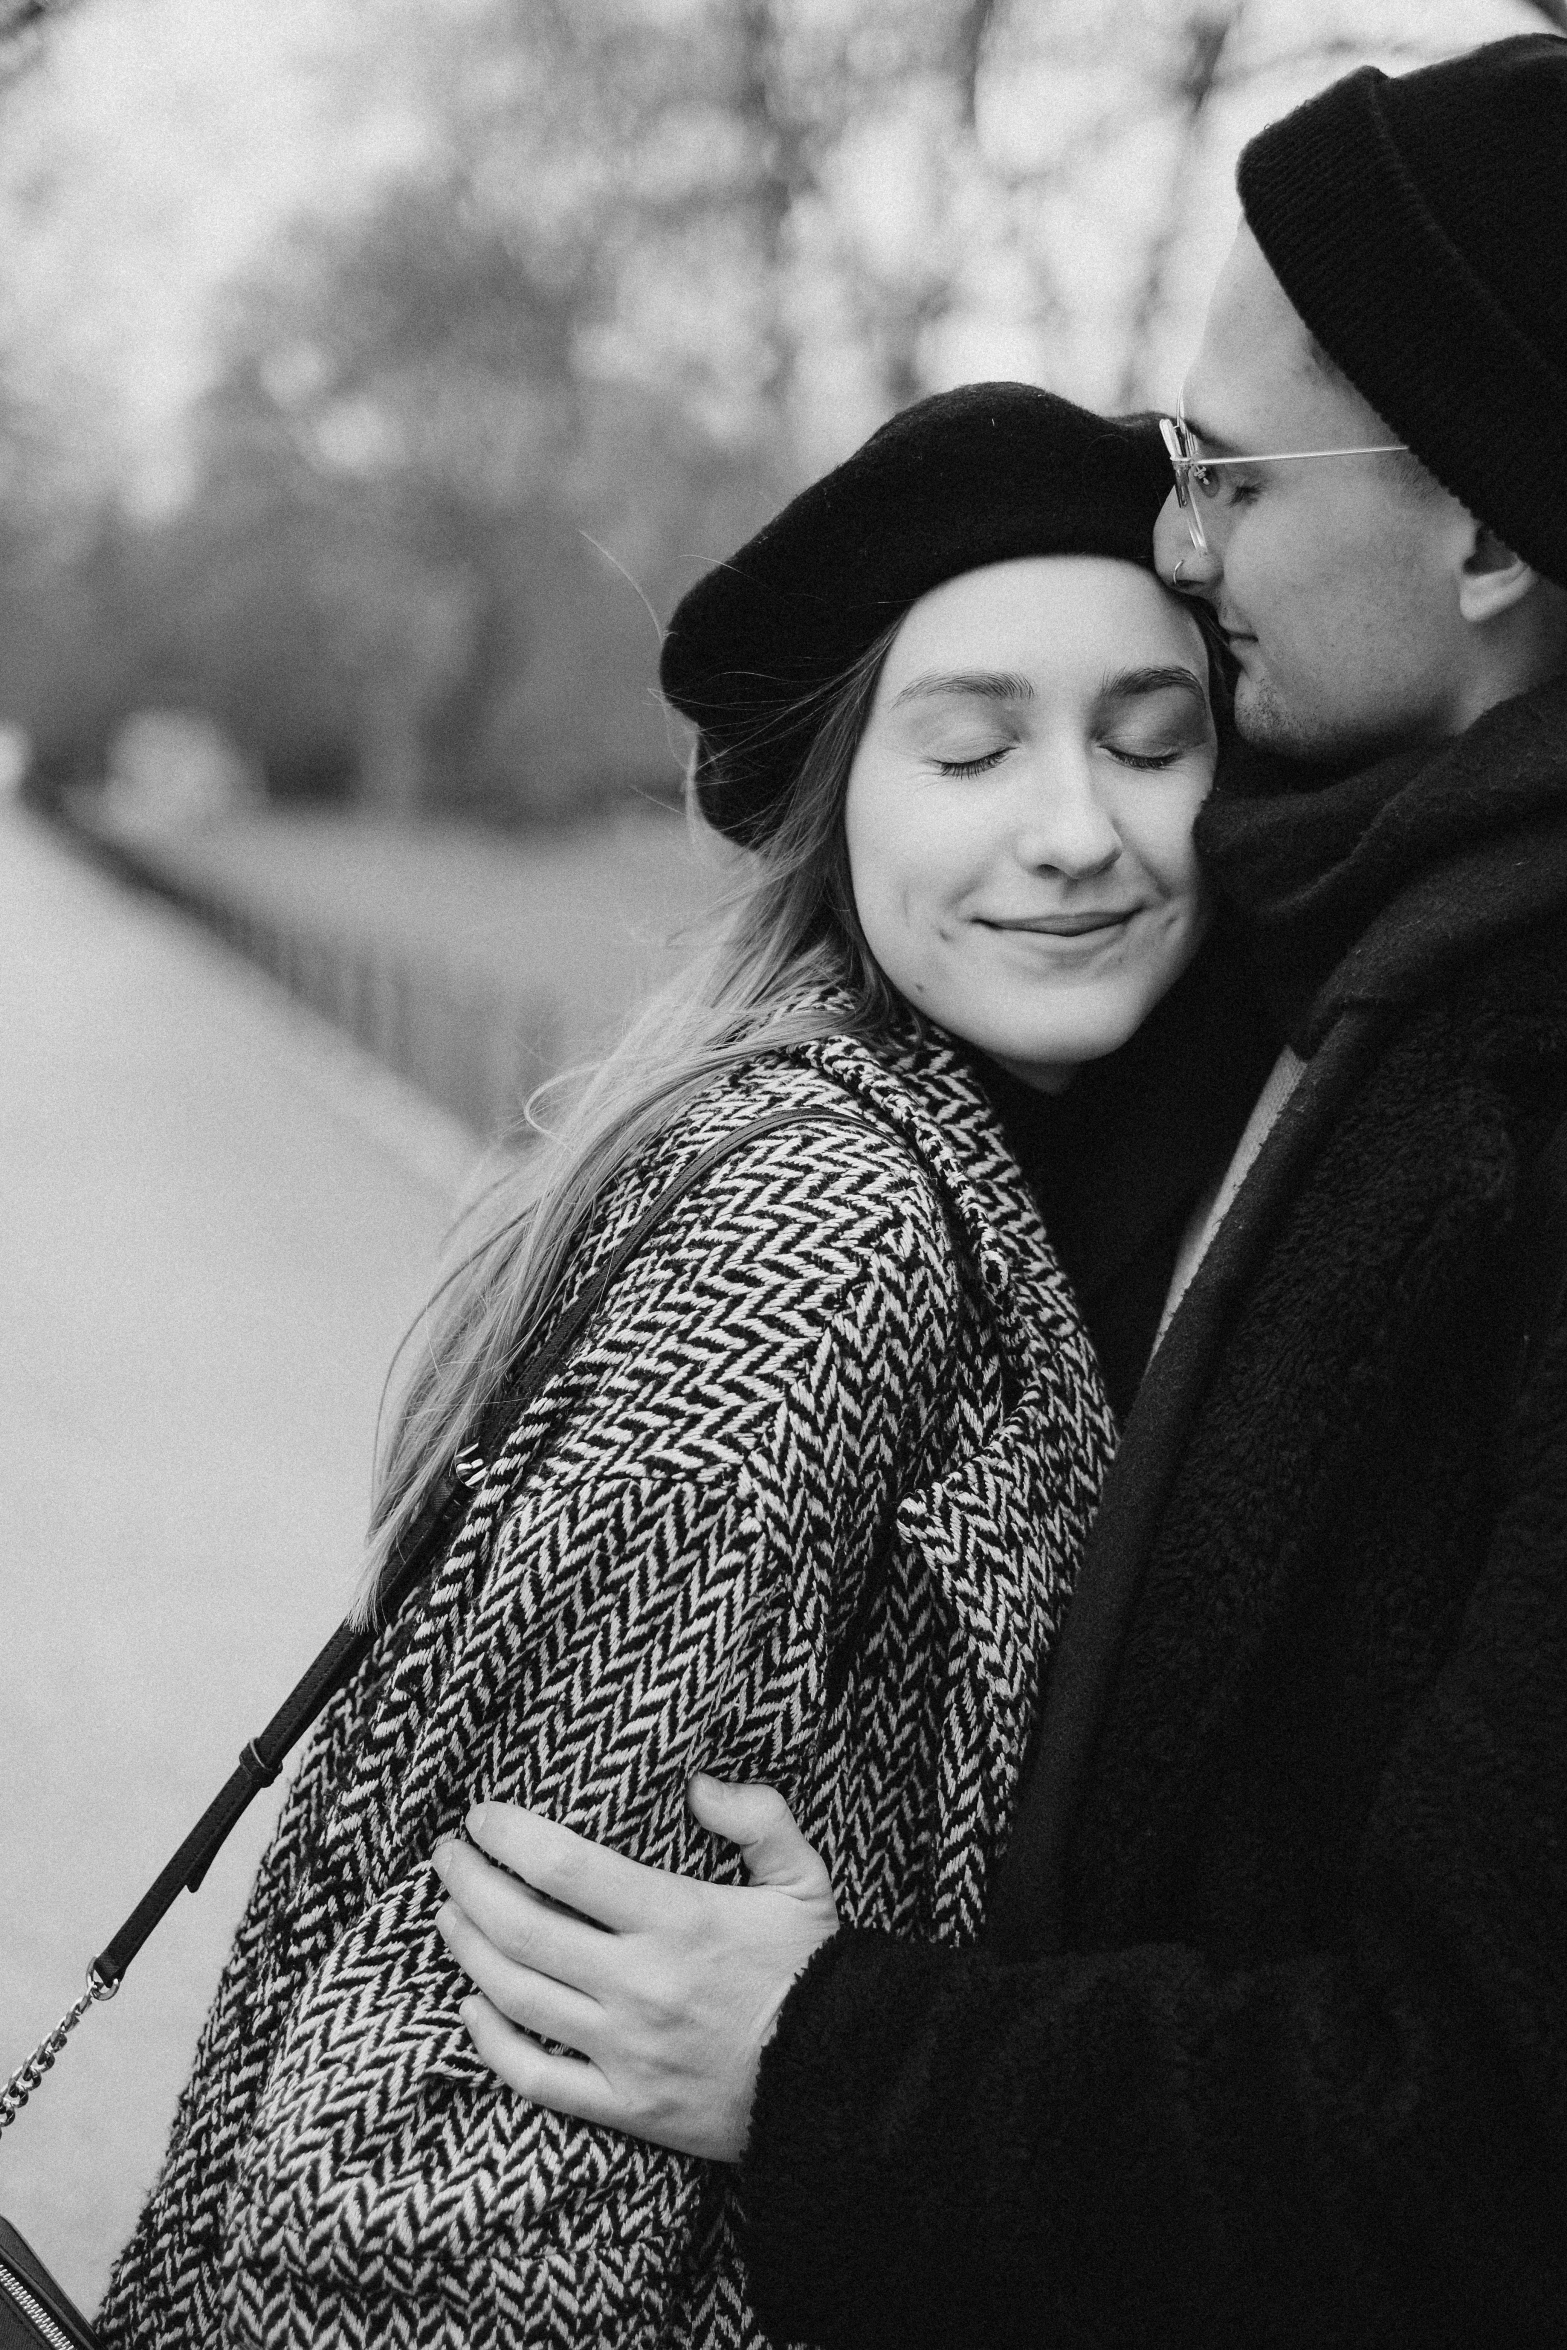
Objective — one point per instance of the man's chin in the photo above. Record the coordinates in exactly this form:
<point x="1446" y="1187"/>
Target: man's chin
<point x="1265" y="721"/>
<point x="1330" y="742"/>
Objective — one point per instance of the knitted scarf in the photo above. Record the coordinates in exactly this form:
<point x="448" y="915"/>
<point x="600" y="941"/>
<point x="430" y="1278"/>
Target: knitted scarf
<point x="1380" y="880"/>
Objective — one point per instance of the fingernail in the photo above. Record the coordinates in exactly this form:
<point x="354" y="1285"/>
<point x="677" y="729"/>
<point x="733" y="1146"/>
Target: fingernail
<point x="476" y="1818"/>
<point x="440" y="1858"/>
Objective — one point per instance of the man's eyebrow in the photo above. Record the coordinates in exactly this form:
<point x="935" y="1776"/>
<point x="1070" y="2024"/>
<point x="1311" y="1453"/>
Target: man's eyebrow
<point x="1214" y="442"/>
<point x="1125" y="685"/>
<point x="988" y="685"/>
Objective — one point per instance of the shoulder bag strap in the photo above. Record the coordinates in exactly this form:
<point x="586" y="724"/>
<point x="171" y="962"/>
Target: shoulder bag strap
<point x="425" y="1542"/>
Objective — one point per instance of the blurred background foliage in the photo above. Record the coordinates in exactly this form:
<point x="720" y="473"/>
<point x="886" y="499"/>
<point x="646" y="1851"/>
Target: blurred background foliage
<point x="374" y="379"/>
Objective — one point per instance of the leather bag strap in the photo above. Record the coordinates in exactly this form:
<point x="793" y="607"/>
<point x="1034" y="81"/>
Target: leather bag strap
<point x="426" y="1541"/>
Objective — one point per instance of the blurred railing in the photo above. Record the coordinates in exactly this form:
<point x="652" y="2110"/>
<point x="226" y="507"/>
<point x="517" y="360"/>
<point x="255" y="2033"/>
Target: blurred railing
<point x="442" y="1028"/>
<point x="449" y="1030"/>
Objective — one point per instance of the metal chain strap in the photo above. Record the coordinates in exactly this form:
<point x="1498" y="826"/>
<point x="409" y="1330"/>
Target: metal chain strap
<point x="27" y="2076"/>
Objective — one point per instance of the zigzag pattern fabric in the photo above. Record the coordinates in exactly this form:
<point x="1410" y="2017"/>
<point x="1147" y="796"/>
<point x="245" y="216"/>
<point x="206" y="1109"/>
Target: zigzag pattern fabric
<point x="844" y="1392"/>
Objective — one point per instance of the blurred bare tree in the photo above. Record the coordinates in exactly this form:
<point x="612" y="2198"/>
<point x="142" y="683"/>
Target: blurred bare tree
<point x="20" y="20"/>
<point x="656" y="262"/>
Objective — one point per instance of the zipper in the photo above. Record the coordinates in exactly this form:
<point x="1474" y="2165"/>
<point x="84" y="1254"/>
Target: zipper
<point x="33" y="2309"/>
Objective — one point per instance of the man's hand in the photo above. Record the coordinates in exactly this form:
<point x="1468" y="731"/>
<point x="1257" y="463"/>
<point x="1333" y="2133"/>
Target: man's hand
<point x="668" y="1986"/>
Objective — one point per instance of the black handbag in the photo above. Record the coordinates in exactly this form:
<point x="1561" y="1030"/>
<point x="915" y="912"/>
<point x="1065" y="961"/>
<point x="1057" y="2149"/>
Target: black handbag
<point x="34" y="2313"/>
<point x="33" y="2309"/>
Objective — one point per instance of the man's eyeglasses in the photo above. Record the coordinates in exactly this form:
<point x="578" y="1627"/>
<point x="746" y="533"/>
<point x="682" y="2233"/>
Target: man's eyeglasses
<point x="1197" y="476"/>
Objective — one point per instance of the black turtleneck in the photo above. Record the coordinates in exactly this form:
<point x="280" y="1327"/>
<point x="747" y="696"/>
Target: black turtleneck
<point x="1118" y="1161"/>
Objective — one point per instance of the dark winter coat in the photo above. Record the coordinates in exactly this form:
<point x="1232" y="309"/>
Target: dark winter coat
<point x="802" y="1507"/>
<point x="1270" y="2047"/>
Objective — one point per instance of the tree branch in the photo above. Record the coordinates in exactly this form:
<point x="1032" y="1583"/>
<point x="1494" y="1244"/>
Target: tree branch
<point x="1208" y="37"/>
<point x="22" y="27"/>
<point x="1326" y="52"/>
<point x="969" y="45"/>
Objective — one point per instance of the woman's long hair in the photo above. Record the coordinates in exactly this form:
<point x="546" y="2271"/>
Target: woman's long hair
<point x="793" y="932"/>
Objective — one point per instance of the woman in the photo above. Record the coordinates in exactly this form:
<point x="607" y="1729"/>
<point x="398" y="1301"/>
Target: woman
<point x="804" y="1503"/>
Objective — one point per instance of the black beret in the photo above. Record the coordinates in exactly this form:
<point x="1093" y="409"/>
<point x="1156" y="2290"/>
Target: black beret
<point x="982" y="475"/>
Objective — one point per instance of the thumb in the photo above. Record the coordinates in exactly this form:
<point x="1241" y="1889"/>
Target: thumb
<point x="758" y="1820"/>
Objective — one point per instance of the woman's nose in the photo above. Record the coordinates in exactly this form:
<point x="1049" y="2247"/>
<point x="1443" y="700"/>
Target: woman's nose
<point x="1066" y="831"/>
<point x="1191" y="571"/>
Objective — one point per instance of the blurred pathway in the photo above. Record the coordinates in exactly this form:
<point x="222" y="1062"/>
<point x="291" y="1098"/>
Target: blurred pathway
<point x="215" y="1223"/>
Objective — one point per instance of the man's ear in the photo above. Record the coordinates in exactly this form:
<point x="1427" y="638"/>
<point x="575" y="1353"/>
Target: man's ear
<point x="1493" y="579"/>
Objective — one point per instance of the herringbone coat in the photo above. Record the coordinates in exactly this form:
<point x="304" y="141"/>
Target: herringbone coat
<point x="804" y="1507"/>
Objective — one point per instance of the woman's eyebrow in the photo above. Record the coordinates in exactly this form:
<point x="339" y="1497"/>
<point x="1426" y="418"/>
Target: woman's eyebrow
<point x="1126" y="685"/>
<point x="988" y="685"/>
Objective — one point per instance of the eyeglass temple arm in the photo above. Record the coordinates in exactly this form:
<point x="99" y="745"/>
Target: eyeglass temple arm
<point x="1293" y="456"/>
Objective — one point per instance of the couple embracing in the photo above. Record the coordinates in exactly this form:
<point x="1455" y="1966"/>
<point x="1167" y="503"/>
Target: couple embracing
<point x="990" y="1763"/>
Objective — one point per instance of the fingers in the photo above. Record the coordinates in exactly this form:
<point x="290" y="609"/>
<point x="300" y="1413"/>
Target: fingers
<point x="519" y="1925"/>
<point x="586" y="1877"/>
<point x="522" y="1994"/>
<point x="758" y="1820"/>
<point x="567" y="2084"/>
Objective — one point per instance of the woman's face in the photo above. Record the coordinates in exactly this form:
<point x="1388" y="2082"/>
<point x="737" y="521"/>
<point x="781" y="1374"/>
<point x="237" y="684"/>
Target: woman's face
<point x="1020" y="808"/>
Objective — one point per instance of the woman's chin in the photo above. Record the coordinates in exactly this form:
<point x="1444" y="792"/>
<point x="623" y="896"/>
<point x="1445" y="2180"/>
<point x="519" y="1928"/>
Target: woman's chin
<point x="1048" y="1053"/>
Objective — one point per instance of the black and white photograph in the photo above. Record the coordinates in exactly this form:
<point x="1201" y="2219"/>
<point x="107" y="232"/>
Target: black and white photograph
<point x="783" y="1174"/>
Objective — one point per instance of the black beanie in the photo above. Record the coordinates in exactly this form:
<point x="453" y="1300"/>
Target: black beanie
<point x="1419" y="226"/>
<point x="977" y="476"/>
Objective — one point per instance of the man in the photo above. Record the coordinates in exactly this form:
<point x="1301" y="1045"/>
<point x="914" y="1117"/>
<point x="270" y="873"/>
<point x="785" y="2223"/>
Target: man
<point x="1270" y="2044"/>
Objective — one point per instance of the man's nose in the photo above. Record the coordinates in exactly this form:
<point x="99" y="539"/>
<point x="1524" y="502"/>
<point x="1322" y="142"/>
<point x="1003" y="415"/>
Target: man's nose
<point x="1191" y="571"/>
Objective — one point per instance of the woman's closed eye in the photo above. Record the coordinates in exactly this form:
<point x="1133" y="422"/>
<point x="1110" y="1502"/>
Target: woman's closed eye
<point x="1134" y="755"/>
<point x="1153" y="720"/>
<point x="1162" y="735"/>
<point x="967" y="762"/>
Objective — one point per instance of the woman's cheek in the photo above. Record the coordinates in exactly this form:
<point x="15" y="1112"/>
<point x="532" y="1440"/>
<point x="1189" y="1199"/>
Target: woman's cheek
<point x="935" y="949"/>
<point x="1167" y="850"/>
<point x="882" y="905"/>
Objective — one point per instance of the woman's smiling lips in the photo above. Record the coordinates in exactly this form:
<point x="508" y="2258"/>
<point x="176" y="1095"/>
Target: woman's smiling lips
<point x="1086" y="925"/>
